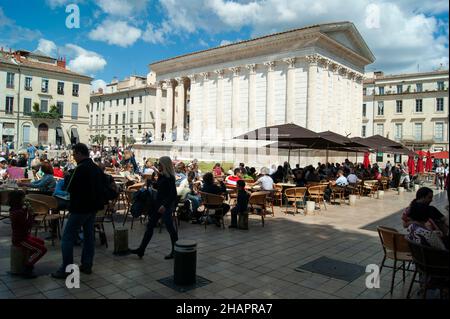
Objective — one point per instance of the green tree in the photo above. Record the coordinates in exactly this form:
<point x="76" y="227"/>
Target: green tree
<point x="35" y="107"/>
<point x="99" y="139"/>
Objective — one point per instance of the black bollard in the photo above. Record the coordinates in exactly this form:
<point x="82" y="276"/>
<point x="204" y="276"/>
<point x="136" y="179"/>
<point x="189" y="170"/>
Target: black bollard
<point x="185" y="265"/>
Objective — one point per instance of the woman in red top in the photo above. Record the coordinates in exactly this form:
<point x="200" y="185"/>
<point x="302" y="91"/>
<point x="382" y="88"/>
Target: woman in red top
<point x="57" y="171"/>
<point x="217" y="170"/>
<point x="22" y="219"/>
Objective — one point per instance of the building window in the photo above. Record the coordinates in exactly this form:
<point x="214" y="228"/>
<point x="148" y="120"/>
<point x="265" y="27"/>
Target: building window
<point x="398" y="132"/>
<point x="10" y="80"/>
<point x="117" y="119"/>
<point x="96" y="120"/>
<point x="132" y="100"/>
<point x="419" y="87"/>
<point x="26" y="134"/>
<point x="74" y="111"/>
<point x="9" y="105"/>
<point x="140" y="99"/>
<point x="399" y="107"/>
<point x="381" y="90"/>
<point x="44" y="86"/>
<point x="363" y="131"/>
<point x="61" y="88"/>
<point x="380" y="129"/>
<point x="124" y="116"/>
<point x="109" y="119"/>
<point x="364" y="91"/>
<point x="26" y="106"/>
<point x="92" y="119"/>
<point x="110" y="103"/>
<point x="419" y="106"/>
<point x="380" y="108"/>
<point x="399" y="89"/>
<point x="75" y="89"/>
<point x="60" y="108"/>
<point x="139" y="116"/>
<point x="117" y="102"/>
<point x="439" y="132"/>
<point x="131" y="118"/>
<point x="364" y="110"/>
<point x="440" y="86"/>
<point x="28" y="86"/>
<point x="98" y="106"/>
<point x="124" y="101"/>
<point x="440" y="104"/>
<point x="418" y="131"/>
<point x="103" y="119"/>
<point x="44" y="106"/>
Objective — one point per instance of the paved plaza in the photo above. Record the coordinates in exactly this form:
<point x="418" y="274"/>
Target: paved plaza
<point x="255" y="264"/>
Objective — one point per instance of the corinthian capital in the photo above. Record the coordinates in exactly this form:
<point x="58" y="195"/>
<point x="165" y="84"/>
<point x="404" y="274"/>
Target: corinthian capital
<point x="205" y="76"/>
<point x="179" y="80"/>
<point x="334" y="67"/>
<point x="313" y="58"/>
<point x="168" y="83"/>
<point x="220" y="73"/>
<point x="270" y="65"/>
<point x="235" y="70"/>
<point x="290" y="62"/>
<point x="192" y="77"/>
<point x="251" y="67"/>
<point x="324" y="62"/>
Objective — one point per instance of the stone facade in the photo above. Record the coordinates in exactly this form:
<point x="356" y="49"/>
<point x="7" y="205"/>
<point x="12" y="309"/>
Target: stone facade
<point x="27" y="78"/>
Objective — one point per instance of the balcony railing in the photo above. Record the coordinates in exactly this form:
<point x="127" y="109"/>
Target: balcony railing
<point x="46" y="115"/>
<point x="424" y="139"/>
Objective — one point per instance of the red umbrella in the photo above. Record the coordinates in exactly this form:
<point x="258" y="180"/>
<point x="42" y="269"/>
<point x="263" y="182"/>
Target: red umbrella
<point x="429" y="162"/>
<point x="421" y="153"/>
<point x="366" y="161"/>
<point x="420" y="167"/>
<point x="411" y="166"/>
<point x="440" y="155"/>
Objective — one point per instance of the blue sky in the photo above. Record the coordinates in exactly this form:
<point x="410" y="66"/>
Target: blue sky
<point x="121" y="37"/>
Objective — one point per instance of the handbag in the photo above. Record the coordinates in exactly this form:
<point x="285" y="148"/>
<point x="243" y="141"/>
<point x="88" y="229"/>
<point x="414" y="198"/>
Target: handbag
<point x="143" y="202"/>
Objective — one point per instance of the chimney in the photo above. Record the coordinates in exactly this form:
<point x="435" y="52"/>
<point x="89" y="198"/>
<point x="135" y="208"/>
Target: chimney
<point x="16" y="56"/>
<point x="61" y="62"/>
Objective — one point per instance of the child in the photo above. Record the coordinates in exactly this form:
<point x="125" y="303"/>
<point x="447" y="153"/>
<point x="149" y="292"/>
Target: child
<point x="22" y="219"/>
<point x="241" y="203"/>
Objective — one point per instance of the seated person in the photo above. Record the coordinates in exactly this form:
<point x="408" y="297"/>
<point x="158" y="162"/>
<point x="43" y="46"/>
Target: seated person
<point x="149" y="168"/>
<point x="232" y="179"/>
<point x="211" y="188"/>
<point x="341" y="180"/>
<point x="241" y="203"/>
<point x="47" y="183"/>
<point x="265" y="181"/>
<point x="300" y="180"/>
<point x="352" y="178"/>
<point x="278" y="176"/>
<point x="129" y="173"/>
<point x="14" y="172"/>
<point x="217" y="170"/>
<point x="245" y="175"/>
<point x="57" y="171"/>
<point x="419" y="232"/>
<point x="22" y="219"/>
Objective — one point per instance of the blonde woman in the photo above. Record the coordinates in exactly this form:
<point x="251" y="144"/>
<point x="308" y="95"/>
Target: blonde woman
<point x="165" y="204"/>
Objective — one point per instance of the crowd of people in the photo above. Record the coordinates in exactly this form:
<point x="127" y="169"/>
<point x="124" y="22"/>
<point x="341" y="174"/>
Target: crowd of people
<point x="79" y="182"/>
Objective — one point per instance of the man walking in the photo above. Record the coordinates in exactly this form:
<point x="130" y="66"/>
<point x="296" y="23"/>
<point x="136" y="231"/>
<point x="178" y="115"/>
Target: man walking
<point x="85" y="186"/>
<point x="31" y="151"/>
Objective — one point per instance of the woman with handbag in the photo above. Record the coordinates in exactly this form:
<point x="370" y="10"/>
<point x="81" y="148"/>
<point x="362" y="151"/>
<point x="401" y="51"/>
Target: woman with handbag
<point x="164" y="206"/>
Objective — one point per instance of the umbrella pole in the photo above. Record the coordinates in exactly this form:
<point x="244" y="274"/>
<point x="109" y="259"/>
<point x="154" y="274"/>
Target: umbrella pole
<point x="356" y="158"/>
<point x="299" y="157"/>
<point x="327" y="155"/>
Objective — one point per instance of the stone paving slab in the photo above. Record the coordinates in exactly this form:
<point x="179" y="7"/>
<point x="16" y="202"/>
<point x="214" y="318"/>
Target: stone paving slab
<point x="258" y="263"/>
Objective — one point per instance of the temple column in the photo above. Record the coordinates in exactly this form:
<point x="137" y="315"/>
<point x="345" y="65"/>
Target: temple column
<point x="158" y="111"/>
<point x="290" y="93"/>
<point x="251" y="96"/>
<point x="169" y="107"/>
<point x="180" y="109"/>
<point x="270" y="93"/>
<point x="311" y="108"/>
<point x="205" y="108"/>
<point x="219" y="105"/>
<point x="235" y="101"/>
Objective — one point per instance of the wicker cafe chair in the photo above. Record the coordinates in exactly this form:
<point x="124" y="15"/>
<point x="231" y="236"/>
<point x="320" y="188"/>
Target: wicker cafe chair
<point x="395" y="247"/>
<point x="294" y="196"/>
<point x="212" y="202"/>
<point x="317" y="194"/>
<point x="43" y="216"/>
<point x="337" y="192"/>
<point x="433" y="264"/>
<point x="258" y="202"/>
<point x="278" y="194"/>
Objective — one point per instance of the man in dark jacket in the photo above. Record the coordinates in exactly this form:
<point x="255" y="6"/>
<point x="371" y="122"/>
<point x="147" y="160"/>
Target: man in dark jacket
<point x="86" y="189"/>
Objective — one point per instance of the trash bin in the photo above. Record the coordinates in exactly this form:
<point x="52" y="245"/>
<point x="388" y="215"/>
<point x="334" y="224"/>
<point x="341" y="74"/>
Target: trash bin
<point x="185" y="265"/>
<point x="310" y="207"/>
<point x="352" y="200"/>
<point x="380" y="194"/>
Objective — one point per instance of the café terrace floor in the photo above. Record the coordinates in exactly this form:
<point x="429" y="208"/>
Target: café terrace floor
<point x="255" y="264"/>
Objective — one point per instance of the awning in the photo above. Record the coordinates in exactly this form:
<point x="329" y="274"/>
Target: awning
<point x="59" y="132"/>
<point x="75" y="133"/>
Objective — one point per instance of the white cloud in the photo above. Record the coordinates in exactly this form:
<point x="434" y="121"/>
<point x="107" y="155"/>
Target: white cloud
<point x="59" y="3"/>
<point x="406" y="37"/>
<point x="116" y="32"/>
<point x="98" y="84"/>
<point x="84" y="61"/>
<point x="47" y="47"/>
<point x="155" y="36"/>
<point x="123" y="8"/>
<point x="225" y="42"/>
<point x="11" y="33"/>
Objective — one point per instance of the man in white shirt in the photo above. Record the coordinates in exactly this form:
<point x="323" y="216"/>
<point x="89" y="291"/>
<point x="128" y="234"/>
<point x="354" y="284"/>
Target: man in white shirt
<point x="266" y="182"/>
<point x="440" y="171"/>
<point x="352" y="178"/>
<point x="342" y="180"/>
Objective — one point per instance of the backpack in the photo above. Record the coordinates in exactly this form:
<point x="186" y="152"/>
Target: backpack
<point x="143" y="202"/>
<point x="110" y="190"/>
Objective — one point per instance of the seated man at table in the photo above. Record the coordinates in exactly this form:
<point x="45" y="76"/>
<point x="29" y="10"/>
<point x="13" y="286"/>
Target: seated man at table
<point x="211" y="188"/>
<point x="341" y="180"/>
<point x="241" y="203"/>
<point x="47" y="183"/>
<point x="352" y="178"/>
<point x="232" y="180"/>
<point x="265" y="181"/>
